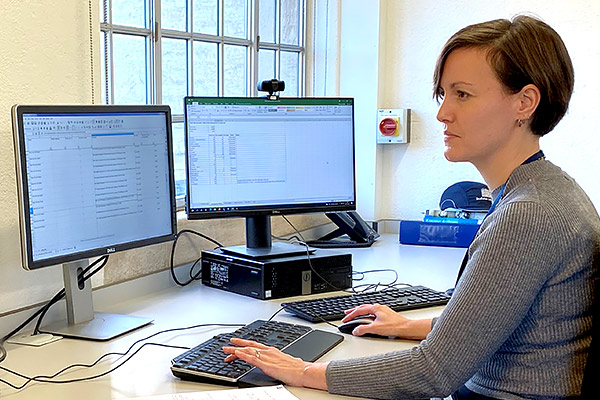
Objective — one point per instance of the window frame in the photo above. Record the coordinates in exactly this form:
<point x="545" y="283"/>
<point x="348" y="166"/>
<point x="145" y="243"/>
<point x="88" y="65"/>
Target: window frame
<point x="154" y="35"/>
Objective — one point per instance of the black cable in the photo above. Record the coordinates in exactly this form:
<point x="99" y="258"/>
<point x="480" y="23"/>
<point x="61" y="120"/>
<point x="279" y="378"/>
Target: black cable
<point x="294" y="228"/>
<point x="193" y="276"/>
<point x="316" y="316"/>
<point x="282" y="239"/>
<point x="303" y="243"/>
<point x="373" y="271"/>
<point x="203" y="236"/>
<point x="82" y="277"/>
<point x="48" y="378"/>
<point x="275" y="314"/>
<point x="308" y="257"/>
<point x="2" y="352"/>
<point x="43" y="309"/>
<point x="374" y="286"/>
<point x="353" y="288"/>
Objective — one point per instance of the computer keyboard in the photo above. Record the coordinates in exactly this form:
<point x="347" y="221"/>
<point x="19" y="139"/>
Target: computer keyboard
<point x="398" y="299"/>
<point x="205" y="362"/>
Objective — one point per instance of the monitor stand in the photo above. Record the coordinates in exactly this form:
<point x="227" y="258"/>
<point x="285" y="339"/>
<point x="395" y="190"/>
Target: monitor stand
<point x="82" y="322"/>
<point x="259" y="244"/>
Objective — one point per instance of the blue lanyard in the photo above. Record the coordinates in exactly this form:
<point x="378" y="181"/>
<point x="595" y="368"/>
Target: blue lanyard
<point x="496" y="200"/>
<point x="536" y="156"/>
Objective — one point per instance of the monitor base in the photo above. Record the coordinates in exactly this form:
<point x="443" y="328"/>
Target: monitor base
<point x="102" y="327"/>
<point x="277" y="249"/>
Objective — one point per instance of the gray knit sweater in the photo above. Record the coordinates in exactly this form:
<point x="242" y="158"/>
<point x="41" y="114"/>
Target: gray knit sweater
<point x="518" y="324"/>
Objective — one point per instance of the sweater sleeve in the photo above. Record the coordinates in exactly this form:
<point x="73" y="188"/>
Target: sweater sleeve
<point x="505" y="272"/>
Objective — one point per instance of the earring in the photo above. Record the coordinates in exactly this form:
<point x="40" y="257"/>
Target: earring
<point x="520" y="122"/>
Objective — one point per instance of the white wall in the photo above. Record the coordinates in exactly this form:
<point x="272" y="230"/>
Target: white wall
<point x="413" y="176"/>
<point x="346" y="64"/>
<point x="44" y="58"/>
<point x="359" y="73"/>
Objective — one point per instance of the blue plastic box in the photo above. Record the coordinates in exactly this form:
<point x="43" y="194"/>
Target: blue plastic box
<point x="437" y="233"/>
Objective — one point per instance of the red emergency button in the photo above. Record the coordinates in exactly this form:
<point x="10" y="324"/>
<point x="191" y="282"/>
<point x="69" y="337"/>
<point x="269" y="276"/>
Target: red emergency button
<point x="388" y="126"/>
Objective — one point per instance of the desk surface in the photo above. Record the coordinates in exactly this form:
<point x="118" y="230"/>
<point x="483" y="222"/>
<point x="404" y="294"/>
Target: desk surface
<point x="147" y="373"/>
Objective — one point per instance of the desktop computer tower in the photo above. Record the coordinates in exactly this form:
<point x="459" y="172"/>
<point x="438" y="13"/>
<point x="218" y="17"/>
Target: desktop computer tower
<point x="272" y="278"/>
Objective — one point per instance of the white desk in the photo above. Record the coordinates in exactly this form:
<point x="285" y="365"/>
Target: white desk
<point x="148" y="373"/>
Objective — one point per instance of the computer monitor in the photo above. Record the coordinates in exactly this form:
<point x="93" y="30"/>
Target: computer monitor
<point x="92" y="180"/>
<point x="256" y="157"/>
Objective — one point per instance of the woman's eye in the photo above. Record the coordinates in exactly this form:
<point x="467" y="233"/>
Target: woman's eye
<point x="462" y="95"/>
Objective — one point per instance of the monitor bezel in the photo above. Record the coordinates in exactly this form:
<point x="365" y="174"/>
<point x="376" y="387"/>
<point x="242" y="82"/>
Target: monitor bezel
<point x="18" y="111"/>
<point x="262" y="210"/>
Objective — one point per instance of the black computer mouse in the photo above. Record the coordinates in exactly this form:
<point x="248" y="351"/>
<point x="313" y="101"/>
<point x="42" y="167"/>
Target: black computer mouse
<point x="348" y="327"/>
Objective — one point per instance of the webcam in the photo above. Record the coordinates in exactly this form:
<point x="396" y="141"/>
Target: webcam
<point x="271" y="86"/>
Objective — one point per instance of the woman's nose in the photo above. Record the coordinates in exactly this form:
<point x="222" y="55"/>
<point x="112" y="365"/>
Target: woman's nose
<point x="442" y="114"/>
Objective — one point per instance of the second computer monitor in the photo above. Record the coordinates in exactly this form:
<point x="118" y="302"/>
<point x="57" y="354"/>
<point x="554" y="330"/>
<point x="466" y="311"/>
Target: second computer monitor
<point x="92" y="180"/>
<point x="254" y="157"/>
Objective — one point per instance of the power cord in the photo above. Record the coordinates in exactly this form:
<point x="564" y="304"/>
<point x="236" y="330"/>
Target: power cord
<point x="61" y="294"/>
<point x="2" y="352"/>
<point x="353" y="289"/>
<point x="41" y="312"/>
<point x="294" y="228"/>
<point x="317" y="316"/>
<point x="193" y="276"/>
<point x="308" y="256"/>
<point x="288" y="239"/>
<point x="49" y="378"/>
<point x="372" y="287"/>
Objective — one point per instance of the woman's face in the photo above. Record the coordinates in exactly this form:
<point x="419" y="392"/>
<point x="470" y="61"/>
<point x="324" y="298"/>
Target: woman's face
<point x="479" y="116"/>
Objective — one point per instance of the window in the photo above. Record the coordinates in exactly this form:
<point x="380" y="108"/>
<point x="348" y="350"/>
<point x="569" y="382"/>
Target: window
<point x="158" y="51"/>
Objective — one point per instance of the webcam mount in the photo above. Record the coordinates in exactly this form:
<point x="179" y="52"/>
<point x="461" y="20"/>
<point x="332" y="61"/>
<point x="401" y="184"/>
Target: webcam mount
<point x="271" y="86"/>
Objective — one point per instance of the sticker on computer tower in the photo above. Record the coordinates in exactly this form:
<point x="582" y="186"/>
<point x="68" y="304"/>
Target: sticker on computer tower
<point x="306" y="282"/>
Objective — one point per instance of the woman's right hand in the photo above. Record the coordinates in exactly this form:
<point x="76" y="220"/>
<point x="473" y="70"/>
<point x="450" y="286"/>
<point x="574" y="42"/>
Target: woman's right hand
<point x="388" y="322"/>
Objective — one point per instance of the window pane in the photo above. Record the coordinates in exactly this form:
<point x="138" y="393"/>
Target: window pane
<point x="290" y="21"/>
<point x="266" y="65"/>
<point x="206" y="16"/>
<point x="129" y="12"/>
<point x="174" y="73"/>
<point x="173" y="14"/>
<point x="179" y="158"/>
<point x="290" y="71"/>
<point x="131" y="69"/>
<point x="235" y="70"/>
<point x="266" y="21"/>
<point x="206" y="78"/>
<point x="235" y="18"/>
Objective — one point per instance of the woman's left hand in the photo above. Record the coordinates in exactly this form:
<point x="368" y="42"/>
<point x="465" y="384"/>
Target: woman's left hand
<point x="273" y="362"/>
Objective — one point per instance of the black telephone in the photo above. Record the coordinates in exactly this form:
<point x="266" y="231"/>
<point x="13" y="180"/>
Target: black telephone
<point x="358" y="232"/>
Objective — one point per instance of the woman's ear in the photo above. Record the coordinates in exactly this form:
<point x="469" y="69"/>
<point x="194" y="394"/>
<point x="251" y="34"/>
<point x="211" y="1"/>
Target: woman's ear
<point x="528" y="100"/>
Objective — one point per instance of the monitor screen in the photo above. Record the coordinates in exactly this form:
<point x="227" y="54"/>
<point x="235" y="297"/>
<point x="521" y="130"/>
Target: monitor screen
<point x="253" y="156"/>
<point x="92" y="180"/>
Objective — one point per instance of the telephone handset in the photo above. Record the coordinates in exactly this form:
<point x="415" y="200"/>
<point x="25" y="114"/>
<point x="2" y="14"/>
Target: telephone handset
<point x="358" y="232"/>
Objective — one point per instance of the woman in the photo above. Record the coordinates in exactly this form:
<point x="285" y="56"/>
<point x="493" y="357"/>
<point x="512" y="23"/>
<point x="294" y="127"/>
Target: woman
<point x="519" y="322"/>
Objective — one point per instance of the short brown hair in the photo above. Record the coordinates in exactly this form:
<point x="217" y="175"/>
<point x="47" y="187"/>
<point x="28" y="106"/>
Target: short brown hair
<point x="521" y="52"/>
